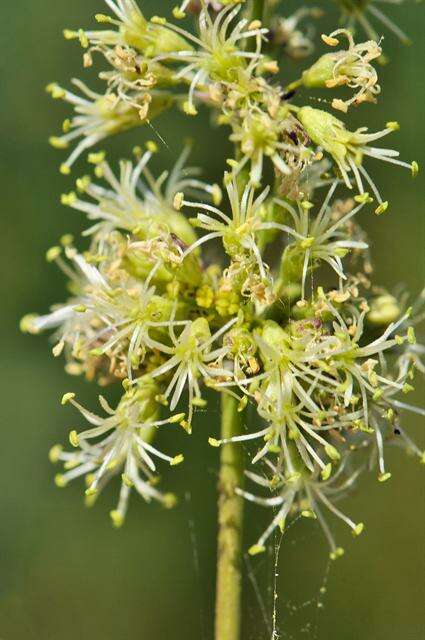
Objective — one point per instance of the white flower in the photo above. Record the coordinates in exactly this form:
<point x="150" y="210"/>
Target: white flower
<point x="237" y="230"/>
<point x="137" y="202"/>
<point x="289" y="399"/>
<point x="96" y="117"/>
<point x="261" y="135"/>
<point x="218" y="52"/>
<point x="133" y="30"/>
<point x="348" y="148"/>
<point x="356" y="362"/>
<point x="319" y="238"/>
<point x="106" y="318"/>
<point x="191" y="358"/>
<point x="351" y="68"/>
<point x="301" y="493"/>
<point x="122" y="445"/>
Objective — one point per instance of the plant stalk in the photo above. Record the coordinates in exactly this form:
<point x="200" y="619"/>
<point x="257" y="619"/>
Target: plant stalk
<point x="258" y="7"/>
<point x="230" y="517"/>
<point x="230" y="505"/>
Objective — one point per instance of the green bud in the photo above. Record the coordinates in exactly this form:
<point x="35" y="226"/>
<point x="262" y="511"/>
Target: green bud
<point x="320" y="72"/>
<point x="325" y="130"/>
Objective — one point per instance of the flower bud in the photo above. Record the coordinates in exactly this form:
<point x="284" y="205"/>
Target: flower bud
<point x="320" y="72"/>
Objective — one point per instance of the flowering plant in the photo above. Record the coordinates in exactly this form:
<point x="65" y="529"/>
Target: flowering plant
<point x="288" y="320"/>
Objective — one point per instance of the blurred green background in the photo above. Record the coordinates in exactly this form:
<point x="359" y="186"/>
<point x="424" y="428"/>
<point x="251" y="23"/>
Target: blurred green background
<point x="65" y="572"/>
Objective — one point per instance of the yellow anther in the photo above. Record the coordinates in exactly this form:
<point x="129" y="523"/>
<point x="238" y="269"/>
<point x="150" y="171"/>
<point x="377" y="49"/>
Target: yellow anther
<point x="60" y="480"/>
<point x="178" y="13"/>
<point x="68" y="199"/>
<point x="26" y="323"/>
<point x="73" y="438"/>
<point x="190" y="109"/>
<point x="199" y="402"/>
<point x="84" y="41"/>
<point x="216" y="194"/>
<point x="214" y="442"/>
<point x="65" y="169"/>
<point x="158" y="20"/>
<point x="306" y="205"/>
<point x="67" y="397"/>
<point x="58" y="143"/>
<point x="205" y="297"/>
<point x="329" y="40"/>
<point x="117" y="518"/>
<point x="69" y="34"/>
<point x="338" y="104"/>
<point x="271" y="66"/>
<point x="67" y="239"/>
<point x="178" y="200"/>
<point x="326" y="472"/>
<point x="383" y="477"/>
<point x="274" y="448"/>
<point x="308" y="513"/>
<point x="292" y="478"/>
<point x="53" y="253"/>
<point x="169" y="500"/>
<point x="186" y="426"/>
<point x="96" y="158"/>
<point x="377" y="395"/>
<point x="358" y="529"/>
<point x="177" y="460"/>
<point x="177" y="418"/>
<point x="337" y="553"/>
<point x="332" y="453"/>
<point x="58" y="349"/>
<point x="83" y="183"/>
<point x="362" y="198"/>
<point x="254" y="25"/>
<point x="256" y="549"/>
<point x="55" y="91"/>
<point x="411" y="337"/>
<point x="381" y="208"/>
<point x="54" y="453"/>
<point x="102" y="18"/>
<point x="242" y="404"/>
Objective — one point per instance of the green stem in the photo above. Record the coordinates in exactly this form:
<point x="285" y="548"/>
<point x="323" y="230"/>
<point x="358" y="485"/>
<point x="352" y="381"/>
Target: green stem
<point x="257" y="12"/>
<point x="230" y="516"/>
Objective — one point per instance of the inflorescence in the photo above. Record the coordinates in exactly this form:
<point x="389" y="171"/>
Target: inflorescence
<point x="288" y="320"/>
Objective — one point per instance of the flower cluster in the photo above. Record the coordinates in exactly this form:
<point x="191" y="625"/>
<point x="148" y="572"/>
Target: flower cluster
<point x="283" y="314"/>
